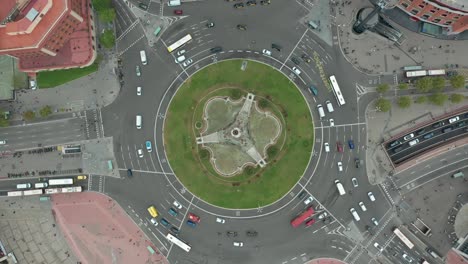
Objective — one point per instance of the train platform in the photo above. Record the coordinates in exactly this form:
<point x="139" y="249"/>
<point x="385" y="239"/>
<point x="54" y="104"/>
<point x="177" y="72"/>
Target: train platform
<point x="98" y="230"/>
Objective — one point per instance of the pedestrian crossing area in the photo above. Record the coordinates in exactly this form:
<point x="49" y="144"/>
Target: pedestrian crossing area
<point x="361" y="90"/>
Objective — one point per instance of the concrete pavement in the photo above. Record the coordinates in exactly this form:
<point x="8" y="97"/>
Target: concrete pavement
<point x="373" y="54"/>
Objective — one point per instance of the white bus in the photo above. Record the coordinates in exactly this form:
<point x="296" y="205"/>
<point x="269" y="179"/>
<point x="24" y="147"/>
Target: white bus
<point x="66" y="181"/>
<point x="32" y="192"/>
<point x="403" y="238"/>
<point x="173" y="239"/>
<point x="71" y="189"/>
<point x="143" y="57"/>
<point x="337" y="91"/>
<point x="179" y="43"/>
<point x="15" y="193"/>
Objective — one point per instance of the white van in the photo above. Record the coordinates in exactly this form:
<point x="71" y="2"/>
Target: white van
<point x="329" y="107"/>
<point x="143" y="57"/>
<point x="173" y="3"/>
<point x="180" y="59"/>
<point x="138" y="121"/>
<point x="23" y="186"/>
<point x="320" y="110"/>
<point x="340" y="188"/>
<point x="355" y="214"/>
<point x="41" y="185"/>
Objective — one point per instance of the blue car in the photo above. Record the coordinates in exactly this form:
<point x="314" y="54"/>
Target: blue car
<point x="173" y="212"/>
<point x="351" y="144"/>
<point x="164" y="222"/>
<point x="191" y="223"/>
<point x="313" y="90"/>
<point x="148" y="146"/>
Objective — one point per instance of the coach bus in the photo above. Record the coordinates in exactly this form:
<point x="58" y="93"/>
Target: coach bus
<point x="65" y="181"/>
<point x="302" y="217"/>
<point x="336" y="91"/>
<point x="173" y="239"/>
<point x="403" y="238"/>
<point x="187" y="38"/>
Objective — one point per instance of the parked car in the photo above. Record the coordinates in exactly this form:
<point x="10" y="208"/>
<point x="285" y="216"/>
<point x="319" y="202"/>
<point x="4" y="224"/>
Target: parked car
<point x="210" y="24"/>
<point x="139" y="90"/>
<point x="351" y="144"/>
<point x="175" y="230"/>
<point x="378" y="247"/>
<point x="413" y="142"/>
<point x="181" y="52"/>
<point x="357" y="163"/>
<point x="332" y="122"/>
<point x="326" y="146"/>
<point x="164" y="222"/>
<point x="191" y="223"/>
<point x="251" y="3"/>
<point x="140" y="153"/>
<point x="310" y="222"/>
<point x="407" y="258"/>
<point x="251" y="233"/>
<point x="374" y="221"/>
<point x="149" y="148"/>
<point x="428" y="135"/>
<point x="371" y="196"/>
<point x="438" y="124"/>
<point x="395" y="143"/>
<point x="295" y="60"/>
<point x="178" y="12"/>
<point x="137" y="69"/>
<point x="323" y="215"/>
<point x="408" y="137"/>
<point x="241" y="27"/>
<point x="266" y="52"/>
<point x="302" y="195"/>
<point x="363" y="207"/>
<point x="187" y="62"/>
<point x="81" y="177"/>
<point x="239" y="5"/>
<point x="339" y="146"/>
<point x="220" y="220"/>
<point x="340" y="166"/>
<point x="313" y="90"/>
<point x="154" y="221"/>
<point x="276" y="47"/>
<point x="216" y="49"/>
<point x="296" y="70"/>
<point x="238" y="244"/>
<point x="420" y="131"/>
<point x="265" y="2"/>
<point x="172" y="212"/>
<point x="447" y="129"/>
<point x="454" y="119"/>
<point x="306" y="58"/>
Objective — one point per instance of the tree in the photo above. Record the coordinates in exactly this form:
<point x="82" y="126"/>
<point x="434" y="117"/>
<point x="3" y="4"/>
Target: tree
<point x="421" y="99"/>
<point x="403" y="86"/>
<point x="456" y="98"/>
<point x="404" y="101"/>
<point x="29" y="115"/>
<point x="100" y="5"/>
<point x="383" y="105"/>
<point x="457" y="81"/>
<point x="438" y="99"/>
<point x="45" y="111"/>
<point x="4" y="122"/>
<point x="107" y="15"/>
<point x="382" y="88"/>
<point x="424" y="84"/>
<point x="438" y="83"/>
<point x="107" y="38"/>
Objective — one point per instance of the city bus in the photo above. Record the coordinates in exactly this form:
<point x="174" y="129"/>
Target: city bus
<point x="412" y="68"/>
<point x="411" y="74"/>
<point x="66" y="181"/>
<point x="176" y="241"/>
<point x="336" y="91"/>
<point x="302" y="217"/>
<point x="156" y="32"/>
<point x="33" y="192"/>
<point x="403" y="238"/>
<point x="187" y="38"/>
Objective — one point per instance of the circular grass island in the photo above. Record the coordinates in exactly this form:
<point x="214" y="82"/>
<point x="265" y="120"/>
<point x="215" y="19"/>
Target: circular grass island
<point x="238" y="138"/>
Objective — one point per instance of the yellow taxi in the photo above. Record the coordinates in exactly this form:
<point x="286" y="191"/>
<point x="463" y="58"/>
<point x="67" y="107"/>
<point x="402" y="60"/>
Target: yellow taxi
<point x="82" y="177"/>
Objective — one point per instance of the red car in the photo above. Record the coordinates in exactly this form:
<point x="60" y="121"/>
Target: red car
<point x="310" y="222"/>
<point x="178" y="12"/>
<point x="195" y="218"/>
<point x="339" y="146"/>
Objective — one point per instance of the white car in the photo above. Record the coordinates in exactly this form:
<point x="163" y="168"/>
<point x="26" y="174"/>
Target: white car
<point x="355" y="182"/>
<point x="371" y="196"/>
<point x="454" y="119"/>
<point x="413" y="142"/>
<point x="2" y="142"/>
<point x="177" y="205"/>
<point x="308" y="200"/>
<point x="374" y="221"/>
<point x="154" y="221"/>
<point x="187" y="62"/>
<point x="407" y="137"/>
<point x="340" y="166"/>
<point x="139" y="90"/>
<point x="332" y="122"/>
<point x="323" y="215"/>
<point x="327" y="147"/>
<point x="378" y="247"/>
<point x="266" y="52"/>
<point x="32" y="84"/>
<point x="238" y="244"/>
<point x="296" y="70"/>
<point x="180" y="52"/>
<point x="180" y="59"/>
<point x="363" y="207"/>
<point x="140" y="153"/>
<point x="407" y="258"/>
<point x="220" y="220"/>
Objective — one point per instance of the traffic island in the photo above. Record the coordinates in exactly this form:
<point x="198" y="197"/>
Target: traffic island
<point x="238" y="138"/>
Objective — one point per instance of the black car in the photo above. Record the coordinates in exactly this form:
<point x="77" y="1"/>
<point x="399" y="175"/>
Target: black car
<point x="210" y="24"/>
<point x="420" y="132"/>
<point x="461" y="124"/>
<point x="295" y="60"/>
<point x="242" y="27"/>
<point x="239" y="5"/>
<point x="357" y="163"/>
<point x="231" y="233"/>
<point x="438" y="124"/>
<point x="175" y="230"/>
<point x="265" y="2"/>
<point x="428" y="135"/>
<point x="216" y="49"/>
<point x="252" y="233"/>
<point x="251" y="3"/>
<point x="276" y="47"/>
<point x="447" y="129"/>
<point x="302" y="195"/>
<point x="306" y="58"/>
<point x="129" y="173"/>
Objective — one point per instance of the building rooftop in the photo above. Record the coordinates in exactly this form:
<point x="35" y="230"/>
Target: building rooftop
<point x="461" y="5"/>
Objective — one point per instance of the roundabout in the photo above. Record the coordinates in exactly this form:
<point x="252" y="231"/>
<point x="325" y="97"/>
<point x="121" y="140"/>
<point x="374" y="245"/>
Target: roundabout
<point x="238" y="138"/>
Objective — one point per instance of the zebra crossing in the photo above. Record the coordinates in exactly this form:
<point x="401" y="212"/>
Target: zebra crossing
<point x="361" y="90"/>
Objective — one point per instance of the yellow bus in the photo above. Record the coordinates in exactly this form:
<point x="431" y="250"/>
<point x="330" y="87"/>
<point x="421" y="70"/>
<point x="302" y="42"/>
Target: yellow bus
<point x="152" y="210"/>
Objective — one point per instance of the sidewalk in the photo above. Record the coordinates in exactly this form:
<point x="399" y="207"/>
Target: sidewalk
<point x="373" y="54"/>
<point x="326" y="261"/>
<point x="99" y="231"/>
<point x="94" y="91"/>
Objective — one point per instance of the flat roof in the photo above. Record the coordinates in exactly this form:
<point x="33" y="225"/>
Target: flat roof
<point x="457" y="4"/>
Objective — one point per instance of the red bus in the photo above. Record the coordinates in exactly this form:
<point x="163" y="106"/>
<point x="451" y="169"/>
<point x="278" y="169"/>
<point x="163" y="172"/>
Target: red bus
<point x="302" y="217"/>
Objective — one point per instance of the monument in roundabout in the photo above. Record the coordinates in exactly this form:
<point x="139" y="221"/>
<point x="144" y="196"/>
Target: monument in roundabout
<point x="238" y="137"/>
<point x="237" y="133"/>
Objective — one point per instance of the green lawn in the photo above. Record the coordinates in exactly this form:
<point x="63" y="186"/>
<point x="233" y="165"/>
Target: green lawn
<point x="268" y="184"/>
<point x="52" y="79"/>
